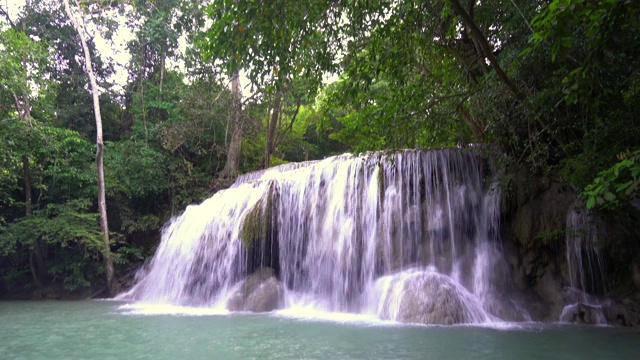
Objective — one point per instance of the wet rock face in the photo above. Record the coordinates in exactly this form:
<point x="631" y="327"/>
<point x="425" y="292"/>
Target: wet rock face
<point x="625" y="314"/>
<point x="260" y="292"/>
<point x="542" y="216"/>
<point x="536" y="234"/>
<point x="619" y="314"/>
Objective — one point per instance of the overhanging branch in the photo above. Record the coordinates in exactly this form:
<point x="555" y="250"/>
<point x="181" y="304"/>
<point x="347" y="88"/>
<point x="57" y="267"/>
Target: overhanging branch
<point x="485" y="47"/>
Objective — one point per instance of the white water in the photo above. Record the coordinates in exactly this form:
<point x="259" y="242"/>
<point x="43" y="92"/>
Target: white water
<point x="335" y="230"/>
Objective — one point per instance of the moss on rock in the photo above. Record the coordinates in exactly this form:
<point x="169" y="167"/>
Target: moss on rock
<point x="256" y="222"/>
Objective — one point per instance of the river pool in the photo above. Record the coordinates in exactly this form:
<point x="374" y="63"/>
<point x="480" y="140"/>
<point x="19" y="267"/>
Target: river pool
<point x="114" y="330"/>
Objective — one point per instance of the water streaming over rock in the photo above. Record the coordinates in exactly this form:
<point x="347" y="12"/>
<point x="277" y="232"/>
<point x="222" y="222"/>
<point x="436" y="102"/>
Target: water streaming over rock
<point x="586" y="268"/>
<point x="368" y="233"/>
<point x="584" y="257"/>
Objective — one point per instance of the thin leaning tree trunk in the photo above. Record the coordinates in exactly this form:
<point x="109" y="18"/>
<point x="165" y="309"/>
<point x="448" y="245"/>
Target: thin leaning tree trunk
<point x="112" y="282"/>
<point x="233" y="152"/>
<point x="271" y="131"/>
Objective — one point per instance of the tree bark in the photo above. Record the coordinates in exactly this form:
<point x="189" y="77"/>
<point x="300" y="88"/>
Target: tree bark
<point x="233" y="152"/>
<point x="112" y="282"/>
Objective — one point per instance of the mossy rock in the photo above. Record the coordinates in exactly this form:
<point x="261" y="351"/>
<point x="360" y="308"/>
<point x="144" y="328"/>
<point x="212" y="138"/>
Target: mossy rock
<point x="258" y="220"/>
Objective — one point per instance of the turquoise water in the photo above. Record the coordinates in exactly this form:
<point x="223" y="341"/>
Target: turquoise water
<point x="107" y="330"/>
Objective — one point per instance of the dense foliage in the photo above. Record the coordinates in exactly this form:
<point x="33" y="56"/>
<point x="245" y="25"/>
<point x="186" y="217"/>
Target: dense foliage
<point x="553" y="84"/>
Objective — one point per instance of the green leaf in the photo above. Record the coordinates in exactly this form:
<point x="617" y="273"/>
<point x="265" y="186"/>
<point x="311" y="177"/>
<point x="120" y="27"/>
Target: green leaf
<point x="608" y="196"/>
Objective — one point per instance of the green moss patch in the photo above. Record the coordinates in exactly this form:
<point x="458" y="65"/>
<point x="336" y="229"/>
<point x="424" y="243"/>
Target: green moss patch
<point x="258" y="220"/>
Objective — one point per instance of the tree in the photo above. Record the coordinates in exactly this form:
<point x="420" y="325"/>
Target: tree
<point x="554" y="84"/>
<point x="281" y="117"/>
<point x="20" y="51"/>
<point x="22" y="71"/>
<point x="273" y="40"/>
<point x="409" y="46"/>
<point x="233" y="151"/>
<point x="155" y="43"/>
<point x="76" y="18"/>
<point x="44" y="22"/>
<point x="60" y="242"/>
<point x="274" y="44"/>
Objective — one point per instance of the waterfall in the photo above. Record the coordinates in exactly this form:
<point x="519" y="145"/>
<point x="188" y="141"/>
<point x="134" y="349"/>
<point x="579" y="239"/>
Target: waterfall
<point x="586" y="268"/>
<point x="343" y="235"/>
<point x="584" y="258"/>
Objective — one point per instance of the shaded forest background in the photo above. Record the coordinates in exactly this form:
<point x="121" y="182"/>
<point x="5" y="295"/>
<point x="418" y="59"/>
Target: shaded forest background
<point x="550" y="89"/>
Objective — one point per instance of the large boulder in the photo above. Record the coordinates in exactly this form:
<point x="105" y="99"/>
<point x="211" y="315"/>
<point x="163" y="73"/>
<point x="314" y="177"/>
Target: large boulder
<point x="426" y="297"/>
<point x="260" y="292"/>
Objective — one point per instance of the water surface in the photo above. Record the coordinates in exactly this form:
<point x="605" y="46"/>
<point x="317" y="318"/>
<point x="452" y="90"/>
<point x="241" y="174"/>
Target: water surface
<point x="109" y="330"/>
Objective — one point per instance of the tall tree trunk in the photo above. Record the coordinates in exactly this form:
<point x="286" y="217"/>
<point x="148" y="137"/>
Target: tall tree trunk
<point x="233" y="152"/>
<point x="24" y="114"/>
<point x="271" y="130"/>
<point x="162" y="66"/>
<point x="23" y="107"/>
<point x="36" y="257"/>
<point x="112" y="282"/>
<point x="27" y="185"/>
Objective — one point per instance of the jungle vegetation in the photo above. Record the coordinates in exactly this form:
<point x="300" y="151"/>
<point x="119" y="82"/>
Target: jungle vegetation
<point x="215" y="88"/>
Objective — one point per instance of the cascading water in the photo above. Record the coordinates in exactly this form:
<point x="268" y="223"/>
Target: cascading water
<point x="372" y="233"/>
<point x="584" y="258"/>
<point x="586" y="267"/>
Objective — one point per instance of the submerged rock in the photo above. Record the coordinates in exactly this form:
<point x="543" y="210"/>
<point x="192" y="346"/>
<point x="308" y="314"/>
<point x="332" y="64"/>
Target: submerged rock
<point x="260" y="292"/>
<point x="426" y="297"/>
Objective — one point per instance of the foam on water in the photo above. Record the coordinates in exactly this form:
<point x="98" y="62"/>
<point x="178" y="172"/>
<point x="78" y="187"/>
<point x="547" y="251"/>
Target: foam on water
<point x="168" y="309"/>
<point x="312" y="313"/>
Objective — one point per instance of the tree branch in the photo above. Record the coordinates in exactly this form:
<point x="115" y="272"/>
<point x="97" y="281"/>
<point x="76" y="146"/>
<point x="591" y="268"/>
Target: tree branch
<point x="523" y="17"/>
<point x="4" y="13"/>
<point x="485" y="47"/>
<point x="289" y="126"/>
